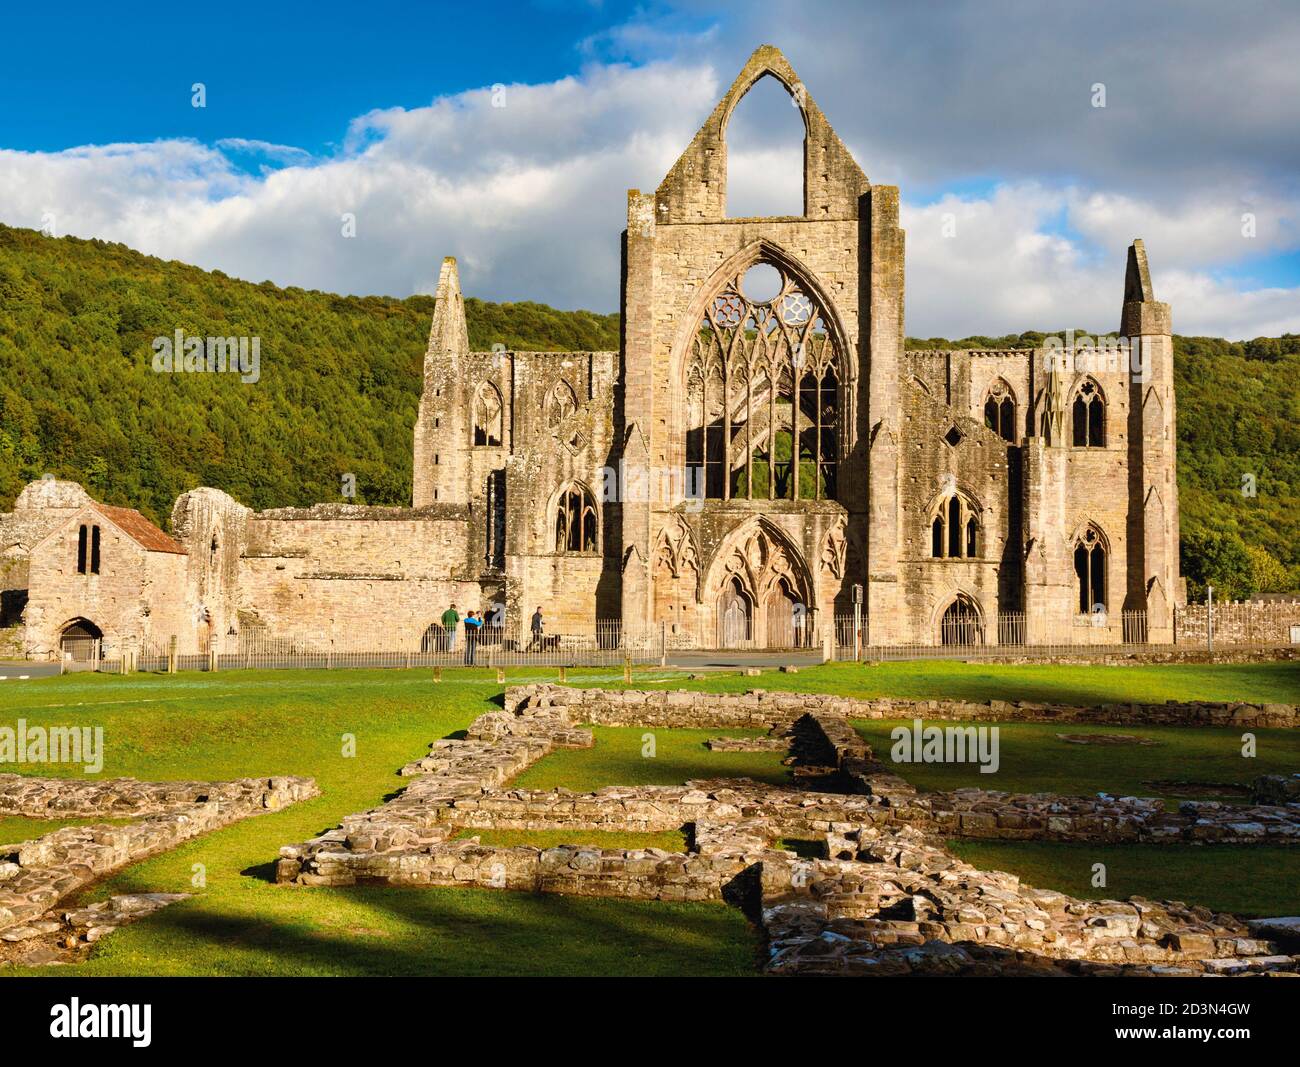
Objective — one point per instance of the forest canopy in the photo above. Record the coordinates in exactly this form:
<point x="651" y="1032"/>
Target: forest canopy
<point x="341" y="376"/>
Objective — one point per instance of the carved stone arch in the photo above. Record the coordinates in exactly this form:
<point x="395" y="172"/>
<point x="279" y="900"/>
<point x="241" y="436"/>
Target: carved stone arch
<point x="759" y="589"/>
<point x="573" y="518"/>
<point x="1081" y="530"/>
<point x="724" y="374"/>
<point x="959" y="618"/>
<point x="1088" y="413"/>
<point x="1000" y="409"/>
<point x="677" y="547"/>
<point x="760" y="551"/>
<point x="561" y="402"/>
<point x="762" y="250"/>
<point x="1092" y="562"/>
<point x="955" y="524"/>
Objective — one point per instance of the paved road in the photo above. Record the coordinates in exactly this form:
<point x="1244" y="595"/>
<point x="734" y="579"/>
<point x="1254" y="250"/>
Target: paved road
<point x="12" y="671"/>
<point x="21" y="671"/>
<point x="724" y="659"/>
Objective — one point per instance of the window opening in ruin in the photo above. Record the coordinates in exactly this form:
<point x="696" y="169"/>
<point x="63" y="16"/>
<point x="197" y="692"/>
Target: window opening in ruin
<point x="487" y="415"/>
<point x="763" y="394"/>
<point x="765" y="154"/>
<point x="575" y="521"/>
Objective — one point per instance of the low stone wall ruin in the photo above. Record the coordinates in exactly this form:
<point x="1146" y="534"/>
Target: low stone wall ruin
<point x="887" y="899"/>
<point x="35" y="875"/>
<point x="761" y="709"/>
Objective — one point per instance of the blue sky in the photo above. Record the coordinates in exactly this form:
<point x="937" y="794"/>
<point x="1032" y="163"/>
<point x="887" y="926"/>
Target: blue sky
<point x="983" y="116"/>
<point x="289" y="73"/>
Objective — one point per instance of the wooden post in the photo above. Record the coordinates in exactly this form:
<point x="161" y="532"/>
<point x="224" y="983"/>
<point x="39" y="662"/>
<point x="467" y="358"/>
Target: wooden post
<point x="563" y="676"/>
<point x="627" y="668"/>
<point x="212" y="660"/>
<point x="171" y="655"/>
<point x="501" y="676"/>
<point x="437" y="674"/>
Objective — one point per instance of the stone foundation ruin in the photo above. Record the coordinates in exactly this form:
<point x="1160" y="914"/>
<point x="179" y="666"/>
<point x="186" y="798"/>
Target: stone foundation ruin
<point x="37" y="875"/>
<point x="885" y="898"/>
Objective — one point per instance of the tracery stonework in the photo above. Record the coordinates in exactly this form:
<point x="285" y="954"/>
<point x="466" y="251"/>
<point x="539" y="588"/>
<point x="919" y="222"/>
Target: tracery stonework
<point x="762" y="456"/>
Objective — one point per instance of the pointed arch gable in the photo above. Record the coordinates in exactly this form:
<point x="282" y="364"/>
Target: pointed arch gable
<point x="762" y="250"/>
<point x="762" y="579"/>
<point x="695" y="187"/>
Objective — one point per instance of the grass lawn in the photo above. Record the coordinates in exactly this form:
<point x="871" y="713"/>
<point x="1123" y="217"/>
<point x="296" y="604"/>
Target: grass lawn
<point x="237" y="724"/>
<point x="618" y="758"/>
<point x="232" y="725"/>
<point x="933" y="679"/>
<point x="1250" y="882"/>
<point x="1034" y="760"/>
<point x="17" y="828"/>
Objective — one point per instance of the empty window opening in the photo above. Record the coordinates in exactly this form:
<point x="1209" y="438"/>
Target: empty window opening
<point x="765" y="154"/>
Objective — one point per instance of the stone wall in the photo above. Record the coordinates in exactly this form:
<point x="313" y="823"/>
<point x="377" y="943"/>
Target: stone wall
<point x="35" y="875"/>
<point x="138" y="596"/>
<point x="1247" y="622"/>
<point x="764" y="708"/>
<point x="887" y="899"/>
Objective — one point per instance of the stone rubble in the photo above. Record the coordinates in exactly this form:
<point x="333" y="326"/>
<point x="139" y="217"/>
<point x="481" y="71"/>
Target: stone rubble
<point x="36" y="875"/>
<point x="67" y="937"/>
<point x="886" y="899"/>
<point x="762" y="708"/>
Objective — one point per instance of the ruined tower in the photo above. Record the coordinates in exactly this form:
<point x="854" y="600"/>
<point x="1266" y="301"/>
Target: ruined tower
<point x="750" y="416"/>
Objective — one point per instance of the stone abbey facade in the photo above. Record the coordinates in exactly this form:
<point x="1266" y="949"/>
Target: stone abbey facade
<point x="762" y="454"/>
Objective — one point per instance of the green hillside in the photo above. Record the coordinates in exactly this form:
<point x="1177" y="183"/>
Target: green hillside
<point x="340" y="380"/>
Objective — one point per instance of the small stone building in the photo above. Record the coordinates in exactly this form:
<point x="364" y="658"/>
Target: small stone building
<point x="762" y="457"/>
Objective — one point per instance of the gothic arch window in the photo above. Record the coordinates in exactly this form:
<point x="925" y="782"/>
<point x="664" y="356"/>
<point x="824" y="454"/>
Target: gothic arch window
<point x="575" y="521"/>
<point x="1090" y="571"/>
<point x="1000" y="410"/>
<point x="560" y="404"/>
<point x="954" y="528"/>
<point x="487" y="415"/>
<point x="1088" y="413"/>
<point x="764" y="393"/>
<point x="495" y="551"/>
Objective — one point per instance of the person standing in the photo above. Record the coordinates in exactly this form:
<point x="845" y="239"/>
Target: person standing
<point x="537" y="627"/>
<point x="472" y="623"/>
<point x="450" y="620"/>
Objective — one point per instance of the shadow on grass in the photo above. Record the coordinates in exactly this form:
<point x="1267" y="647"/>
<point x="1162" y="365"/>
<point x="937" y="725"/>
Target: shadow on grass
<point x="416" y="932"/>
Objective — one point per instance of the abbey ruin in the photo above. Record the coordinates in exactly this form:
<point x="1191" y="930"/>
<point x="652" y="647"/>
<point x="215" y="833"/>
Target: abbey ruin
<point x="762" y="456"/>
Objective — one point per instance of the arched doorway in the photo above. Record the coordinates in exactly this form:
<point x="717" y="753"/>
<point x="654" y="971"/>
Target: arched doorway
<point x="760" y="588"/>
<point x="80" y="641"/>
<point x="735" y="616"/>
<point x="785" y="617"/>
<point x="961" y="623"/>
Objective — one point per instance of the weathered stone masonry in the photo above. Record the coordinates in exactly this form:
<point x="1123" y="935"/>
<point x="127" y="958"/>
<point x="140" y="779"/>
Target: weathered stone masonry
<point x="888" y="899"/>
<point x="36" y="875"/>
<point x="735" y="474"/>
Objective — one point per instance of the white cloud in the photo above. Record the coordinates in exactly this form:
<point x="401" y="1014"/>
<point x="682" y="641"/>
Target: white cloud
<point x="531" y="196"/>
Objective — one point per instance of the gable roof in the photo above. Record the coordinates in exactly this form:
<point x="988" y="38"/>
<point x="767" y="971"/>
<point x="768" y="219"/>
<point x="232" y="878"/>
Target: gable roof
<point x="139" y="529"/>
